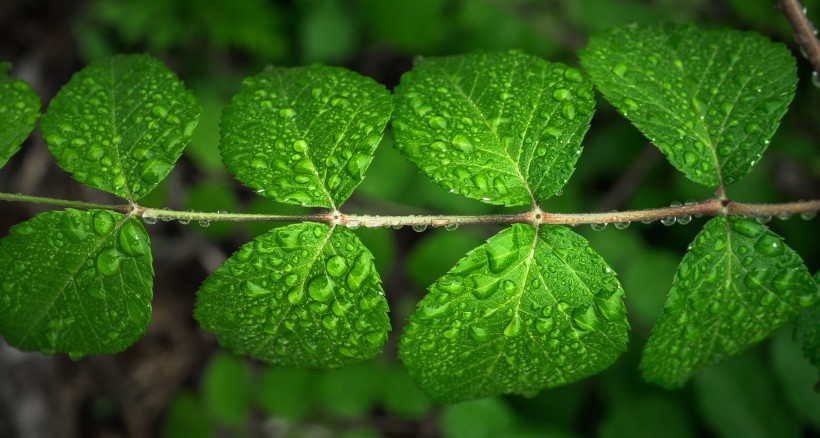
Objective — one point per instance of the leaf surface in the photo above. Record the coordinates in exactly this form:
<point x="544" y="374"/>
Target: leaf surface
<point x="19" y="111"/>
<point x="304" y="135"/>
<point x="303" y="295"/>
<point x="501" y="127"/>
<point x="525" y="311"/>
<point x="710" y="100"/>
<point x="736" y="285"/>
<point x="76" y="282"/>
<point x="119" y="125"/>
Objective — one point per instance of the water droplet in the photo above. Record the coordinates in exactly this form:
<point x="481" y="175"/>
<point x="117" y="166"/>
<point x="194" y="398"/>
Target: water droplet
<point x="451" y="284"/>
<point x="620" y="69"/>
<point x="562" y="94"/>
<point x="336" y="265"/>
<point x="149" y="220"/>
<point x="451" y="227"/>
<point x="320" y="288"/>
<point x="159" y="111"/>
<point x="419" y="227"/>
<point x="359" y="271"/>
<point x="462" y="143"/>
<point x="133" y="240"/>
<point x="514" y="327"/>
<point x="501" y="254"/>
<point x="668" y="221"/>
<point x="291" y="279"/>
<point x="621" y="225"/>
<point x="438" y="122"/>
<point x="108" y="261"/>
<point x="598" y="226"/>
<point x="770" y="245"/>
<point x="103" y="222"/>
<point x="747" y="228"/>
<point x="204" y="223"/>
<point x="544" y="325"/>
<point x="254" y="289"/>
<point x="478" y="334"/>
<point x="786" y="280"/>
<point x="297" y="295"/>
<point x="585" y="318"/>
<point x="683" y="220"/>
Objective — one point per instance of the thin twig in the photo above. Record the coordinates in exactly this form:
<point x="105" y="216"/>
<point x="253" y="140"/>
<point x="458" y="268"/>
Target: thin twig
<point x="708" y="207"/>
<point x="804" y="33"/>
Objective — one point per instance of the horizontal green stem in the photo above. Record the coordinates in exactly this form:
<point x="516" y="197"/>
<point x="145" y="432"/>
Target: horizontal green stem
<point x="708" y="207"/>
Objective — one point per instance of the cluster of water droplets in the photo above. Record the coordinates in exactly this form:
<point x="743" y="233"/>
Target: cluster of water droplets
<point x="499" y="294"/>
<point x="328" y="310"/>
<point x="303" y="148"/>
<point x="78" y="130"/>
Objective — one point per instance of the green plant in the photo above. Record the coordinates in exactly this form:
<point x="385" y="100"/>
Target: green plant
<point x="533" y="307"/>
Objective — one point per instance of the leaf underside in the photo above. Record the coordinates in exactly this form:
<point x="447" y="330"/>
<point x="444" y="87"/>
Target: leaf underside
<point x="709" y="100"/>
<point x="526" y="311"/>
<point x="19" y="111"/>
<point x="77" y="282"/>
<point x="736" y="285"/>
<point x="504" y="128"/>
<point x="303" y="295"/>
<point x="304" y="135"/>
<point x="120" y="125"/>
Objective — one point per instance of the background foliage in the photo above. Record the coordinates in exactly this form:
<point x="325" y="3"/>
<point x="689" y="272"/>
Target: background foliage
<point x="177" y="382"/>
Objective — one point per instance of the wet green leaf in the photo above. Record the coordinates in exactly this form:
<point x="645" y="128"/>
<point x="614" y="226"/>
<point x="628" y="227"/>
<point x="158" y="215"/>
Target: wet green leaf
<point x="737" y="284"/>
<point x="523" y="312"/>
<point x="302" y="295"/>
<point x="709" y="99"/>
<point x="119" y="125"/>
<point x="19" y="111"/>
<point x="304" y="135"/>
<point x="501" y="127"/>
<point x="76" y="282"/>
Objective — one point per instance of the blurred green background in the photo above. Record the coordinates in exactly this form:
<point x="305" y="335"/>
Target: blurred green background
<point x="176" y="382"/>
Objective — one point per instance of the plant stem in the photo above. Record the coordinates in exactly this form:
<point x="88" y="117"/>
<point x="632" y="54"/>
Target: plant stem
<point x="804" y="33"/>
<point x="708" y="207"/>
<point x="60" y="202"/>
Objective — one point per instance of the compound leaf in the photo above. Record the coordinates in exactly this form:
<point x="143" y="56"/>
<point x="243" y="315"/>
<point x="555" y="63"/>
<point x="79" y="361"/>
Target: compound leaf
<point x="304" y="135"/>
<point x="19" y="111"/>
<point x="76" y="282"/>
<point x="710" y="100"/>
<point x="120" y="125"/>
<point x="302" y="295"/>
<point x="737" y="284"/>
<point x="527" y="310"/>
<point x="504" y="128"/>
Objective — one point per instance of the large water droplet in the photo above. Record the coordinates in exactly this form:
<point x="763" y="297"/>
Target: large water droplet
<point x="585" y="318"/>
<point x="770" y="245"/>
<point x="501" y="254"/>
<point x="747" y="228"/>
<point x="133" y="240"/>
<point x="336" y="265"/>
<point x="320" y="288"/>
<point x="514" y="328"/>
<point x="478" y="334"/>
<point x="360" y="271"/>
<point x="108" y="261"/>
<point x="103" y="222"/>
<point x="254" y="289"/>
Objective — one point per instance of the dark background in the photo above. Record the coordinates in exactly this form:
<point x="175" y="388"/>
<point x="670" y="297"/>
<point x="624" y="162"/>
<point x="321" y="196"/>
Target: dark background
<point x="177" y="382"/>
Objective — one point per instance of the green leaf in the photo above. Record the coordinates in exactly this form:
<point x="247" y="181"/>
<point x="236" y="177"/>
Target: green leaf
<point x="741" y="399"/>
<point x="796" y="376"/>
<point x="526" y="311"/>
<point x="477" y="419"/>
<point x="505" y="128"/>
<point x="119" y="125"/>
<point x="737" y="284"/>
<point x="76" y="282"/>
<point x="286" y="392"/>
<point x="186" y="418"/>
<point x="710" y="100"/>
<point x="304" y="135"/>
<point x="226" y="389"/>
<point x="19" y="111"/>
<point x="303" y="295"/>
